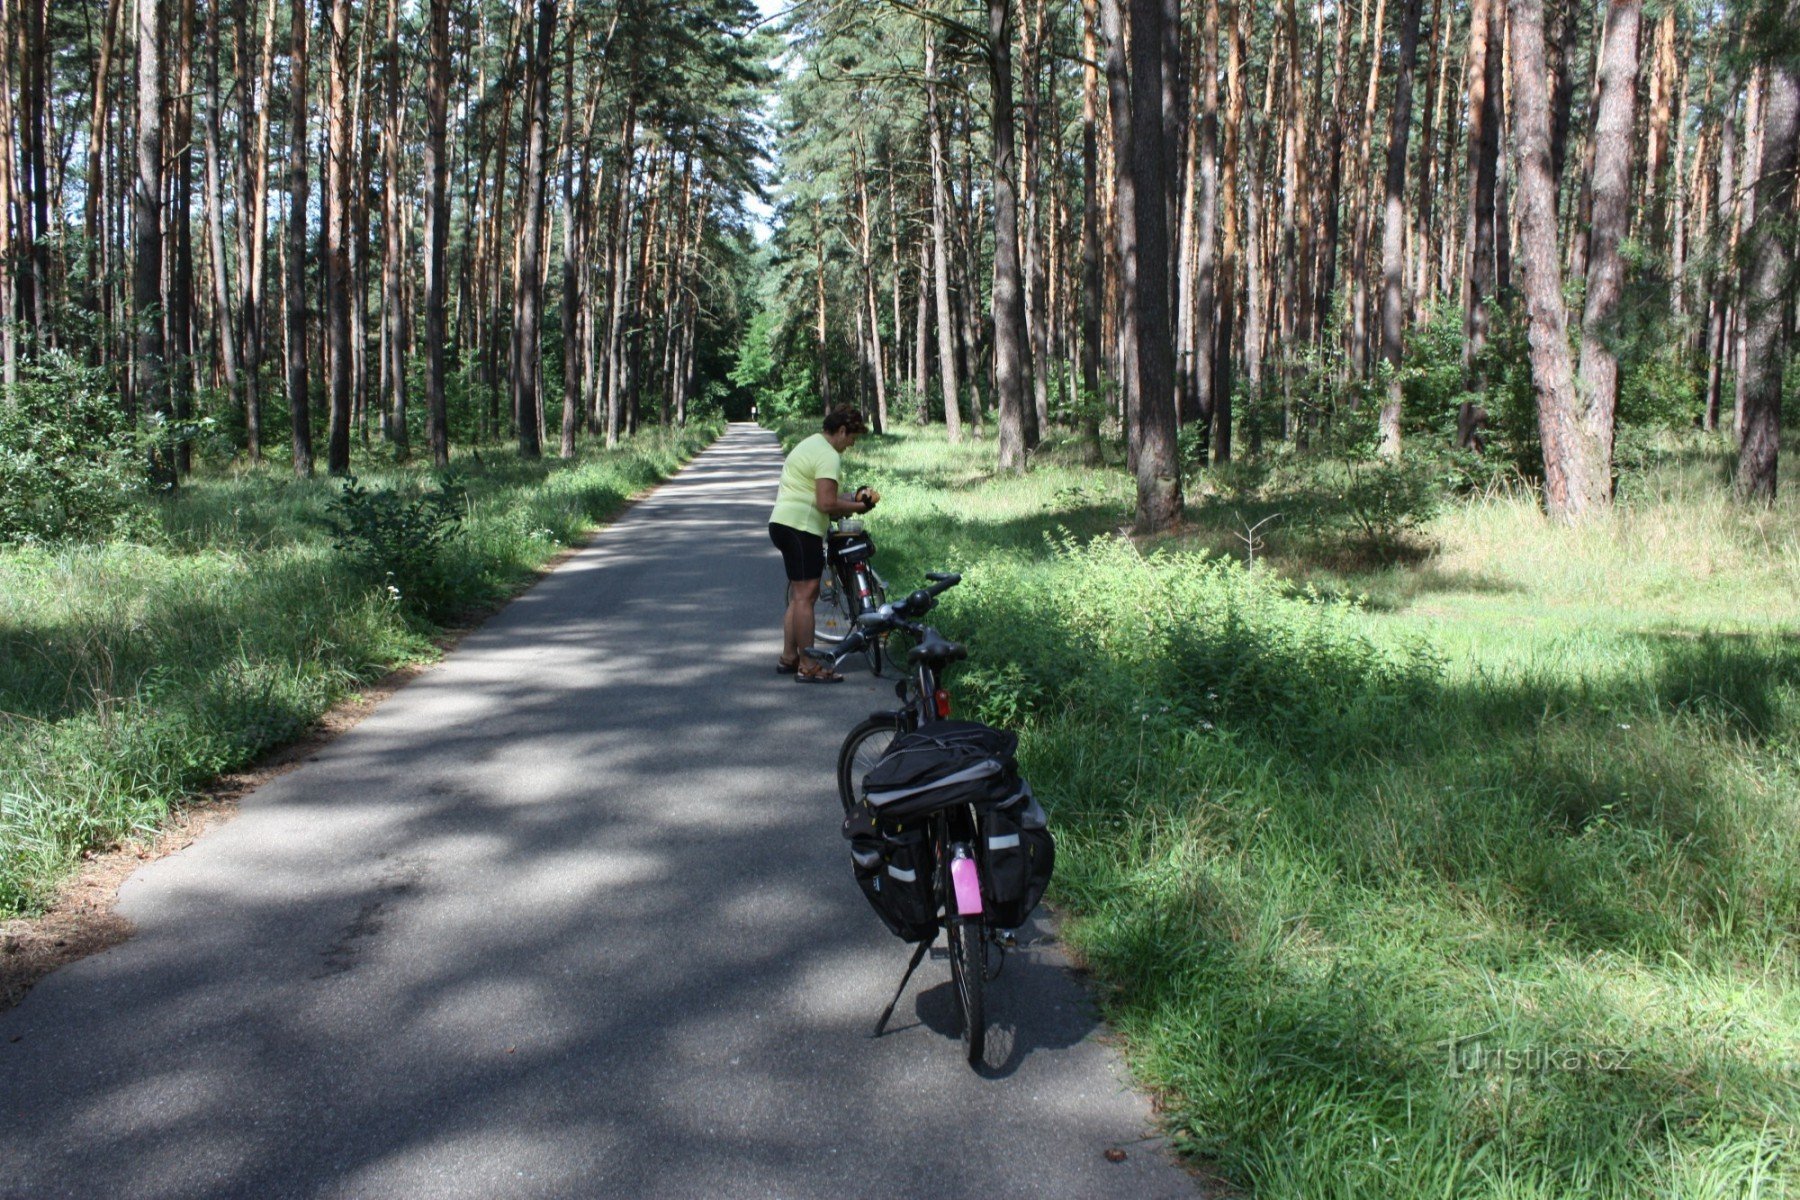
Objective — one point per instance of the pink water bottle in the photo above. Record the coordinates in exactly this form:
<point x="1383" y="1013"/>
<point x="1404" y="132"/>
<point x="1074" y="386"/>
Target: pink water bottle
<point x="966" y="882"/>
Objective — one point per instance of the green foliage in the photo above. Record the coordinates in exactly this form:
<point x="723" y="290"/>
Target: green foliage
<point x="135" y="672"/>
<point x="1483" y="886"/>
<point x="70" y="466"/>
<point x="397" y="538"/>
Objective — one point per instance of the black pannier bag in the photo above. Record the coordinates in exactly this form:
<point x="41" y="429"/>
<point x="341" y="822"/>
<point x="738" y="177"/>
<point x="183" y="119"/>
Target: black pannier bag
<point x="893" y="868"/>
<point x="1017" y="855"/>
<point x="852" y="547"/>
<point x="940" y="764"/>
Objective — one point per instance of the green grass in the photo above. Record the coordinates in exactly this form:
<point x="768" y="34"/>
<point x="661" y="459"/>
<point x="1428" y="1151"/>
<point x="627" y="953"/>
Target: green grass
<point x="1473" y="876"/>
<point x="135" y="672"/>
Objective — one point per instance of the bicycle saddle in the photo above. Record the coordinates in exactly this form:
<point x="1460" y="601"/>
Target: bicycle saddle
<point x="936" y="650"/>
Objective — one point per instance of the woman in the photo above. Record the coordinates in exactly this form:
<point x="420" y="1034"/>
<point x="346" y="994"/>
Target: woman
<point x="804" y="506"/>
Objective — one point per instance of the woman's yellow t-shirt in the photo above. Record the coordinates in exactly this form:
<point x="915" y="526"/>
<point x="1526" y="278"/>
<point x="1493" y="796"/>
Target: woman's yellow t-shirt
<point x="796" y="502"/>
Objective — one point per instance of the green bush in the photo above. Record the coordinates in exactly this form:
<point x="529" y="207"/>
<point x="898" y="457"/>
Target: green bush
<point x="398" y="539"/>
<point x="69" y="464"/>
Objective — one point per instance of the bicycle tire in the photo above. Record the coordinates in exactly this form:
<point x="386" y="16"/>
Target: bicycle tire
<point x="833" y="595"/>
<point x="968" y="971"/>
<point x="862" y="747"/>
<point x="877" y="642"/>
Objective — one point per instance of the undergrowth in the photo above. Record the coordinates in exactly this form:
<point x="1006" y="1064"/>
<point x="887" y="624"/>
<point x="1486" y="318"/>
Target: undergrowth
<point x="133" y="672"/>
<point x="1472" y="874"/>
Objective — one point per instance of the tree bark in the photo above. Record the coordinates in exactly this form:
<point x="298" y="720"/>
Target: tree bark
<point x="1010" y="344"/>
<point x="147" y="210"/>
<point x="299" y="403"/>
<point x="1569" y="456"/>
<point x="1393" y="233"/>
<point x="437" y="231"/>
<point x="940" y="241"/>
<point x="338" y="164"/>
<point x="1598" y="379"/>
<point x="1147" y="276"/>
<point x="1769" y="287"/>
<point x="393" y="258"/>
<point x="531" y="275"/>
<point x="1484" y="160"/>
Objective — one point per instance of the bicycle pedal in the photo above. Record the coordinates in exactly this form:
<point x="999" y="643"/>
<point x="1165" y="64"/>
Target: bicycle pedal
<point x="1006" y="939"/>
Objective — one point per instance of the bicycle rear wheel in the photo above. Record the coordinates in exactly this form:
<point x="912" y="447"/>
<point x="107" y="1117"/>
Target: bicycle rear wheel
<point x="968" y="970"/>
<point x="862" y="749"/>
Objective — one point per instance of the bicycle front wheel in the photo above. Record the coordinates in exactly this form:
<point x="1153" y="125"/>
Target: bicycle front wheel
<point x="835" y="610"/>
<point x="968" y="969"/>
<point x="862" y="749"/>
<point x="877" y="641"/>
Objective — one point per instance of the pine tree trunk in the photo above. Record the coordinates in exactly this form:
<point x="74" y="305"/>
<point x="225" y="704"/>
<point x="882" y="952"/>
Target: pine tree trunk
<point x="1598" y="379"/>
<point x="1236" y="18"/>
<point x="215" y="218"/>
<point x="337" y="246"/>
<point x="940" y="241"/>
<point x="531" y="274"/>
<point x="393" y="258"/>
<point x="437" y="231"/>
<point x="1569" y="474"/>
<point x="1770" y="287"/>
<point x="9" y="346"/>
<point x="147" y="211"/>
<point x="1147" y="276"/>
<point x="1206" y="298"/>
<point x="299" y="403"/>
<point x="1010" y="344"/>
<point x="1393" y="233"/>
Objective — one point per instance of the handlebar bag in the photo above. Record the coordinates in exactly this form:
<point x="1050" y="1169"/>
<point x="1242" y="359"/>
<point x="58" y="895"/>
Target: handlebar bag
<point x="940" y="764"/>
<point x="892" y="865"/>
<point x="852" y="547"/>
<point x="1017" y="856"/>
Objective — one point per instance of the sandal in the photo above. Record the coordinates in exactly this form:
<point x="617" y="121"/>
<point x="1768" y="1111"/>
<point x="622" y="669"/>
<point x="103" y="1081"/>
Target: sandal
<point x="818" y="674"/>
<point x="786" y="666"/>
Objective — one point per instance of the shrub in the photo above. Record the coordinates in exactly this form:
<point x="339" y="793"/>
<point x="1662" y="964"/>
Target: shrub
<point x="69" y="468"/>
<point x="398" y="538"/>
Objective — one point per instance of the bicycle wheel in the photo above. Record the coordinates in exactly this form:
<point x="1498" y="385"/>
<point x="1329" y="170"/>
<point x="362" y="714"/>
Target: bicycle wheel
<point x="876" y="598"/>
<point x="862" y="749"/>
<point x="835" y="610"/>
<point x="968" y="969"/>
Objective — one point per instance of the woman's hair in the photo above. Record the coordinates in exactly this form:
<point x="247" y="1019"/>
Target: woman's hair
<point x="845" y="418"/>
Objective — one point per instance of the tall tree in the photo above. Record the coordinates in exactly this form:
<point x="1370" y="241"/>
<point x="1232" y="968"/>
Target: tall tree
<point x="338" y="165"/>
<point x="1770" y="286"/>
<point x="147" y="211"/>
<point x="299" y="403"/>
<point x="1598" y="381"/>
<point x="940" y="248"/>
<point x="531" y="275"/>
<point x="1010" y="343"/>
<point x="1393" y="231"/>
<point x="1574" y="475"/>
<point x="437" y="230"/>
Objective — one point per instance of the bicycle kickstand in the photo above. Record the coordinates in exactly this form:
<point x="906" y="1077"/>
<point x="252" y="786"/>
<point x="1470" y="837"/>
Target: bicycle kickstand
<point x="918" y="956"/>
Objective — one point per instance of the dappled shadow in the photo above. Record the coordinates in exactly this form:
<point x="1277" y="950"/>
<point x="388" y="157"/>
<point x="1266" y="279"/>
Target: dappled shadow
<point x="571" y="914"/>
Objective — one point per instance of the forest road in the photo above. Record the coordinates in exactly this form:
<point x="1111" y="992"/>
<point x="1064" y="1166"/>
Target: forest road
<point x="569" y="915"/>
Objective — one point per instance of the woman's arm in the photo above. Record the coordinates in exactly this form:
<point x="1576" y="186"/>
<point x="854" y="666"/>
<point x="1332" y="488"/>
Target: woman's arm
<point x="825" y="495"/>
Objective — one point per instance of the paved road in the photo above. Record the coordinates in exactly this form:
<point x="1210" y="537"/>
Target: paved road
<point x="567" y="916"/>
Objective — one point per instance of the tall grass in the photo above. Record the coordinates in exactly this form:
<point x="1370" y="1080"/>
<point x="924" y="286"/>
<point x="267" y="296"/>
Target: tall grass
<point x="132" y="673"/>
<point x="1477" y="876"/>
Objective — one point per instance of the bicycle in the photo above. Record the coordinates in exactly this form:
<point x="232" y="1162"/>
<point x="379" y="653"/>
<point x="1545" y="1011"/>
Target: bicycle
<point x="849" y="588"/>
<point x="956" y="881"/>
<point x="921" y="694"/>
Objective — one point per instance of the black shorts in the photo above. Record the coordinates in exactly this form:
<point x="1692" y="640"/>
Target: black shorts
<point x="802" y="553"/>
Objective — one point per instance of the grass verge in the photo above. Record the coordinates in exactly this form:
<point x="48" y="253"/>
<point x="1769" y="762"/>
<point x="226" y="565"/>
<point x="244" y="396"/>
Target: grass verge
<point x="136" y="671"/>
<point x="1474" y="875"/>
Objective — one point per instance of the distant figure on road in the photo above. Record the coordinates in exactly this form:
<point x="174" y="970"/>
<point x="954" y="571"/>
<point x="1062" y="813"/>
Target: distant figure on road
<point x="807" y="500"/>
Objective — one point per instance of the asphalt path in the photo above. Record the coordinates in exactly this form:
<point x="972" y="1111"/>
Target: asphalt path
<point x="569" y="915"/>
